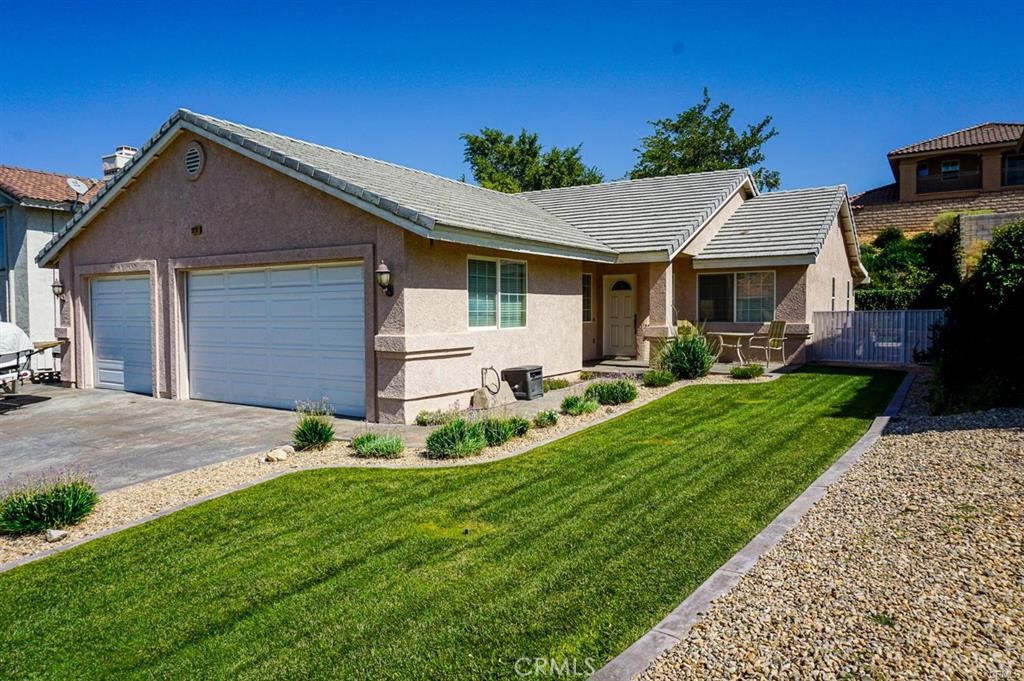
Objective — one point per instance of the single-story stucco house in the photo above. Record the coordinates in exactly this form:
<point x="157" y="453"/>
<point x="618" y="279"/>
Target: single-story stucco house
<point x="232" y="264"/>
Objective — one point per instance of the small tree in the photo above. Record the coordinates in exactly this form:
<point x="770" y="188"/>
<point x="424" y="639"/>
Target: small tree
<point x="696" y="141"/>
<point x="518" y="164"/>
<point x="978" y="362"/>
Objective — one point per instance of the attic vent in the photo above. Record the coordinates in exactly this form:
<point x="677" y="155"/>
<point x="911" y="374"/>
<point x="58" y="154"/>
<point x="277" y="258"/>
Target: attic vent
<point x="194" y="160"/>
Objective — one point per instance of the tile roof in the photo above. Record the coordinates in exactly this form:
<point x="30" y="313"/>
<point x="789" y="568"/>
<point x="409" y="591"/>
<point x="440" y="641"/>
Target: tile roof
<point x="38" y="185"/>
<point x="888" y="193"/>
<point x="653" y="214"/>
<point x="777" y="224"/>
<point x="986" y="133"/>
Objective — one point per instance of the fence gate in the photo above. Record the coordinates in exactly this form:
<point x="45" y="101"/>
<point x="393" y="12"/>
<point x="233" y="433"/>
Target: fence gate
<point x="872" y="336"/>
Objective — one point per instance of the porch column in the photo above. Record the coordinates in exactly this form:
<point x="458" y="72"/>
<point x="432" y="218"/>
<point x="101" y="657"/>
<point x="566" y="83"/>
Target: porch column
<point x="661" y="322"/>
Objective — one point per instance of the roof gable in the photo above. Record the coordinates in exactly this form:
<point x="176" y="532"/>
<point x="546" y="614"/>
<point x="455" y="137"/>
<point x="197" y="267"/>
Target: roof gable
<point x="976" y="135"/>
<point x="652" y="214"/>
<point x="789" y="227"/>
<point x="429" y="205"/>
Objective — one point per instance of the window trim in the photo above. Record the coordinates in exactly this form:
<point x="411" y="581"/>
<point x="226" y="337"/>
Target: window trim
<point x="1006" y="169"/>
<point x="497" y="292"/>
<point x="589" y="276"/>
<point x="734" y="273"/>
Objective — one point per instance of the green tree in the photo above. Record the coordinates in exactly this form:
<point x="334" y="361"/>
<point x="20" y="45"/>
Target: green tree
<point x="518" y="164"/>
<point x="698" y="140"/>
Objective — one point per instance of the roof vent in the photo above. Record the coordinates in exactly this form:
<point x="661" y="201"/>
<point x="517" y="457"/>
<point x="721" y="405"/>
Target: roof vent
<point x="194" y="160"/>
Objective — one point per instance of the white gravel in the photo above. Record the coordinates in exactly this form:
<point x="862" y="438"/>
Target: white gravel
<point x="132" y="503"/>
<point x="910" y="567"/>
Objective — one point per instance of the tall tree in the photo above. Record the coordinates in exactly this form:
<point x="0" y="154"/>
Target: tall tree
<point x="518" y="164"/>
<point x="698" y="140"/>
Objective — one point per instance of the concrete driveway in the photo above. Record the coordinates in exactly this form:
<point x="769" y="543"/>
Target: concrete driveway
<point x="122" y="438"/>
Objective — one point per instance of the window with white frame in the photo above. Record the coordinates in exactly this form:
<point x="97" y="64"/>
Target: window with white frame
<point x="833" y="294"/>
<point x="497" y="293"/>
<point x="588" y="298"/>
<point x="736" y="297"/>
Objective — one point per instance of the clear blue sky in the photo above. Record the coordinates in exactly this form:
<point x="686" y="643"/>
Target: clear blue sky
<point x="845" y="82"/>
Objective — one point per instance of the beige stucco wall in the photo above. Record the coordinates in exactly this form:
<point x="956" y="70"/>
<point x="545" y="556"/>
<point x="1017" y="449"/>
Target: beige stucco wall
<point x="421" y="353"/>
<point x="832" y="262"/>
<point x="790" y="304"/>
<point x="249" y="214"/>
<point x="443" y="357"/>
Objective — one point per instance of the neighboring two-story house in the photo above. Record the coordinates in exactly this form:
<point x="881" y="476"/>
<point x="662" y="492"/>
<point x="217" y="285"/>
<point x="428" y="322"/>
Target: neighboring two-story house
<point x="34" y="205"/>
<point x="977" y="168"/>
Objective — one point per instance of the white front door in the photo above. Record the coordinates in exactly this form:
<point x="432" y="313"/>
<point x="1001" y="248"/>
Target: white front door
<point x="620" y="316"/>
<point x="274" y="336"/>
<point x="121" y="334"/>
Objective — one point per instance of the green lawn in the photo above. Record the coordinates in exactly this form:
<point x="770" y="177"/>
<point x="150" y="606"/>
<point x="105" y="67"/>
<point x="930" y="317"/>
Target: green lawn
<point x="573" y="550"/>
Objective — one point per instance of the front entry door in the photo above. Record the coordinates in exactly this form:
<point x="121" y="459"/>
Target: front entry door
<point x="620" y="322"/>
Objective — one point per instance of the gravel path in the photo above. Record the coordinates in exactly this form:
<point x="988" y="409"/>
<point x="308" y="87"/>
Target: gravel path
<point x="910" y="567"/>
<point x="129" y="504"/>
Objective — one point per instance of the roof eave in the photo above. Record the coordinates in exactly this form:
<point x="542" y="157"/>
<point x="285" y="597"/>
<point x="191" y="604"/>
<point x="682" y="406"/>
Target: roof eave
<point x="712" y="263"/>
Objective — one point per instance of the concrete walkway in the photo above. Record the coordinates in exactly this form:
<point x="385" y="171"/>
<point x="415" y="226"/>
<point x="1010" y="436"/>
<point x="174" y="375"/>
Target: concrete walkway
<point x="122" y="438"/>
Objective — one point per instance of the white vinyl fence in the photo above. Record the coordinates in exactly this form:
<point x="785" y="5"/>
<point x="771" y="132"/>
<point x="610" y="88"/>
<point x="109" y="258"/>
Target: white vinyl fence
<point x="872" y="336"/>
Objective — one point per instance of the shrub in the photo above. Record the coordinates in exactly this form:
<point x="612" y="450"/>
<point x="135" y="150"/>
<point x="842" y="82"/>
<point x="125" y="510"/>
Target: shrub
<point x="545" y="419"/>
<point x="746" y="371"/>
<point x="315" y="428"/>
<point x="587" y="375"/>
<point x="555" y="384"/>
<point x="497" y="431"/>
<point x="687" y="358"/>
<point x="456" y="439"/>
<point x="576" y="405"/>
<point x="611" y="392"/>
<point x="438" y="417"/>
<point x="47" y="503"/>
<point x="520" y="426"/>
<point x="987" y="306"/>
<point x="658" y="378"/>
<point x="378" y="445"/>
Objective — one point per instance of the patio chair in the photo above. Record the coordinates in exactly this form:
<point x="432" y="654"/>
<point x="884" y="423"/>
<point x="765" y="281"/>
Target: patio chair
<point x="775" y="340"/>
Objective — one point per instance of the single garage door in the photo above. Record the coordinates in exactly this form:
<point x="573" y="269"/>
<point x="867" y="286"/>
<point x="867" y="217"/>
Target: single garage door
<point x="121" y="333"/>
<point x="275" y="336"/>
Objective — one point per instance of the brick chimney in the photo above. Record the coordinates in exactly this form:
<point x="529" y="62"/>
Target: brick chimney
<point x="119" y="159"/>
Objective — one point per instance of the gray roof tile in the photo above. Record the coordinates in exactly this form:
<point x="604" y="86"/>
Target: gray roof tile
<point x="654" y="214"/>
<point x="777" y="224"/>
<point x="405" y="191"/>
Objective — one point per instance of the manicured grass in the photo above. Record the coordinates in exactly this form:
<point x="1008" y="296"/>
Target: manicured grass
<point x="571" y="551"/>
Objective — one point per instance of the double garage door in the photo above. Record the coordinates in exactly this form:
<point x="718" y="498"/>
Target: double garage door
<point x="276" y="336"/>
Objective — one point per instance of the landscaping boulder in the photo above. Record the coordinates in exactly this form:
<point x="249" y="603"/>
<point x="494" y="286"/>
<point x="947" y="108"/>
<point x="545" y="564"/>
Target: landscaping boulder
<point x="279" y="454"/>
<point x="55" y="535"/>
<point x="485" y="399"/>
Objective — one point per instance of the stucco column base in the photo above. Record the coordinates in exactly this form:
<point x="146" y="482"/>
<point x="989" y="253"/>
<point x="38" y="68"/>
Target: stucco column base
<point x="653" y="338"/>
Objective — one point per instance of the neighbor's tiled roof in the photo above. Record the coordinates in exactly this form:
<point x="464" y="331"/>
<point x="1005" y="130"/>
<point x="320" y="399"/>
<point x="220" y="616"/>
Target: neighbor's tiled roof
<point x="986" y="133"/>
<point x="777" y="224"/>
<point x="653" y="214"/>
<point x="889" y="193"/>
<point x="38" y="185"/>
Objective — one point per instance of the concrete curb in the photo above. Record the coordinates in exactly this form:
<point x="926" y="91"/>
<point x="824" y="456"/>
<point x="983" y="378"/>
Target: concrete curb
<point x="455" y="463"/>
<point x="635" y="659"/>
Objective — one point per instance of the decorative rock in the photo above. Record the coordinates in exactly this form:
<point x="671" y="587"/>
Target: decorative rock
<point x="278" y="454"/>
<point x="287" y="449"/>
<point x="484" y="399"/>
<point x="55" y="535"/>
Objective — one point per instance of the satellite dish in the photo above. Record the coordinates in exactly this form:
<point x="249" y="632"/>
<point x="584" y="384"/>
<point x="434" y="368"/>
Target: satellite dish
<point x="77" y="186"/>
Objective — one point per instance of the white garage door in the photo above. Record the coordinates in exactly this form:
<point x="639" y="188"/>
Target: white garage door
<point x="275" y="336"/>
<point x="121" y="333"/>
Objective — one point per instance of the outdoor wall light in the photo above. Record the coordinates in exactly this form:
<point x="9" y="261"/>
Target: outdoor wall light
<point x="58" y="288"/>
<point x="383" y="276"/>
